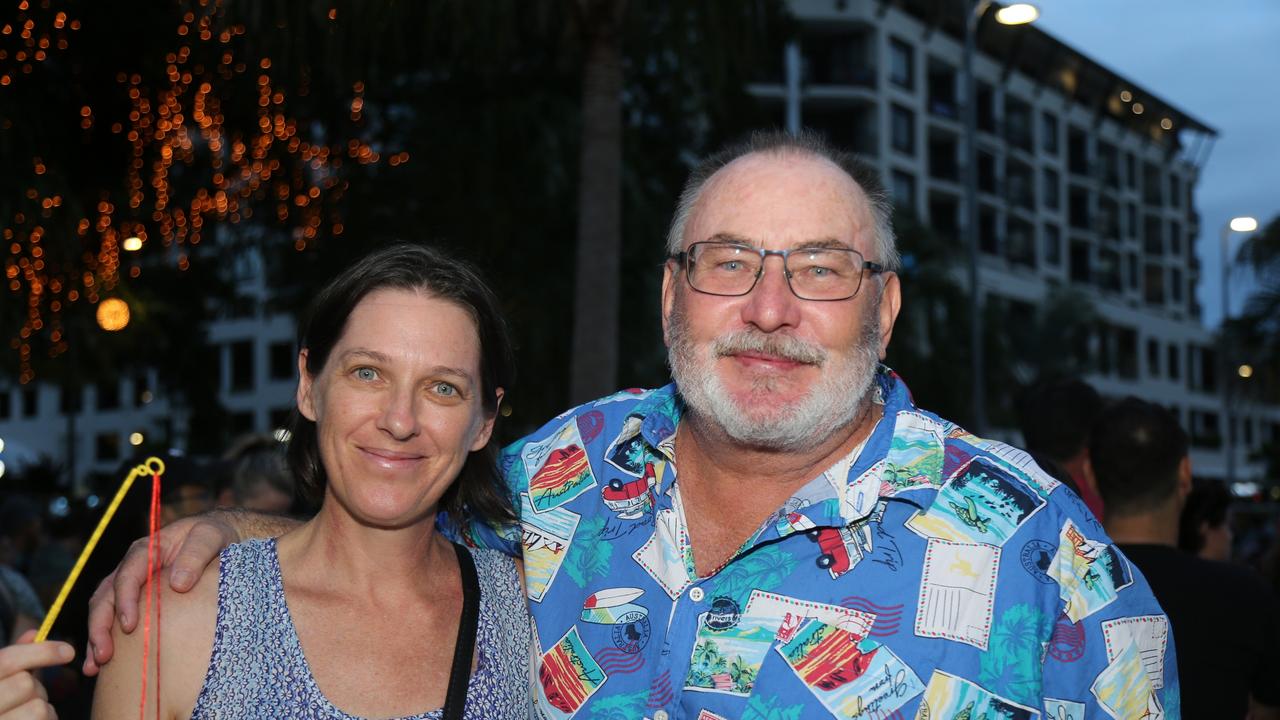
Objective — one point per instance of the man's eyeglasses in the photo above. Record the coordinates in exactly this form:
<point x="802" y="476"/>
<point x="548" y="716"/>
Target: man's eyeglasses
<point x="731" y="269"/>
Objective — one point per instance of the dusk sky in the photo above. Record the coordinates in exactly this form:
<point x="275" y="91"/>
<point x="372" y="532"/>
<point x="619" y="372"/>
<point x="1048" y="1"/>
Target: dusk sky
<point x="1218" y="62"/>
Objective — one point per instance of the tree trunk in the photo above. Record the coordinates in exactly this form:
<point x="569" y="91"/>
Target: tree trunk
<point x="594" y="363"/>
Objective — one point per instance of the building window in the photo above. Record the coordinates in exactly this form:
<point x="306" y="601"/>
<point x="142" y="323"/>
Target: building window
<point x="1131" y="219"/>
<point x="1078" y="151"/>
<point x="108" y="394"/>
<point x="30" y="402"/>
<point x="1078" y="208"/>
<point x="1052" y="245"/>
<point x="1107" y="274"/>
<point x="838" y="58"/>
<point x="987" y="181"/>
<point x="902" y="69"/>
<point x="1020" y="243"/>
<point x="988" y="234"/>
<point x="1049" y="133"/>
<point x="6" y="405"/>
<point x="1020" y="184"/>
<point x="1175" y="286"/>
<point x="1017" y="123"/>
<point x="1133" y="271"/>
<point x="986" y="108"/>
<point x="1175" y="238"/>
<point x="903" y="130"/>
<point x="1079" y="270"/>
<point x="142" y="389"/>
<point x="282" y="360"/>
<point x="1131" y="170"/>
<point x="942" y="90"/>
<point x="106" y="447"/>
<point x="1154" y="284"/>
<point x="1051" y="190"/>
<point x="241" y="365"/>
<point x="1175" y="190"/>
<point x="1204" y="429"/>
<point x="1172" y="356"/>
<point x="1152" y="235"/>
<point x="943" y="163"/>
<point x="241" y="423"/>
<point x="904" y="191"/>
<point x="1153" y="357"/>
<point x="71" y="401"/>
<point x="1109" y="163"/>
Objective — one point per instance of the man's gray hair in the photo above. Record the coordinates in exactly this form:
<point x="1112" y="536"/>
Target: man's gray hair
<point x="806" y="144"/>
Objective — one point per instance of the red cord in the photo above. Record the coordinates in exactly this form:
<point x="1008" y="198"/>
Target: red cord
<point x="151" y="589"/>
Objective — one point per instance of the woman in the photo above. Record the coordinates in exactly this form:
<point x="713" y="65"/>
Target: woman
<point x="356" y="613"/>
<point x="1205" y="528"/>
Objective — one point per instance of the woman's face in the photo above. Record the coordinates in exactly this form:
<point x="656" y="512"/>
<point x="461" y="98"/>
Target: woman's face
<point x="397" y="406"/>
<point x="1217" y="541"/>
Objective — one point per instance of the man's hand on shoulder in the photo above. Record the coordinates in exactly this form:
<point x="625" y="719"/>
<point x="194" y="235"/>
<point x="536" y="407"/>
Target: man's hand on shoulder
<point x="186" y="548"/>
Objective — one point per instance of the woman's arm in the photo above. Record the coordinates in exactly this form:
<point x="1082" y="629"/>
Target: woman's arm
<point x="184" y="624"/>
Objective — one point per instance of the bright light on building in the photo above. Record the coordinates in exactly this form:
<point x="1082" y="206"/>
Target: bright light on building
<point x="146" y="397"/>
<point x="1166" y="123"/>
<point x="1" y="444"/>
<point x="136" y="439"/>
<point x="1126" y="96"/>
<point x="1017" y="14"/>
<point x="1244" y="489"/>
<point x="1244" y="224"/>
<point x="1245" y="371"/>
<point x="113" y="314"/>
<point x="132" y="244"/>
<point x="1138" y="109"/>
<point x="1" y="468"/>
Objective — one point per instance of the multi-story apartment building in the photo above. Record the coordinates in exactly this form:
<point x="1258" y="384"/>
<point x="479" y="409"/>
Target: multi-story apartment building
<point x="1084" y="180"/>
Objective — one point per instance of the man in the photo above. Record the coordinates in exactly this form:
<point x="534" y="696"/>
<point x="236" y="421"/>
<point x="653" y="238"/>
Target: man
<point x="824" y="549"/>
<point x="1055" y="417"/>
<point x="1225" y="621"/>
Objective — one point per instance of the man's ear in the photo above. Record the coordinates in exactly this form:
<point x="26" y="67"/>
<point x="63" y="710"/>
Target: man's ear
<point x="890" y="304"/>
<point x="1184" y="477"/>
<point x="306" y="406"/>
<point x="669" y="270"/>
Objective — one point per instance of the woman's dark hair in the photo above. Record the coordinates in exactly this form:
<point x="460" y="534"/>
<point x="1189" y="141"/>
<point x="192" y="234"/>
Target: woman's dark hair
<point x="479" y="490"/>
<point x="1207" y="504"/>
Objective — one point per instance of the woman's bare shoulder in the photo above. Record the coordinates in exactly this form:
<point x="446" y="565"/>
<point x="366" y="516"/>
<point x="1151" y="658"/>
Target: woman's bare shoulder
<point x="181" y="636"/>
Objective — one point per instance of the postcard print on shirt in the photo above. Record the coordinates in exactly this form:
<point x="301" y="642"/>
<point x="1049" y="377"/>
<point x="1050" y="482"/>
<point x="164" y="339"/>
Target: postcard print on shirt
<point x="1090" y="574"/>
<point x="1150" y="633"/>
<point x="980" y="502"/>
<point x="957" y="591"/>
<point x="852" y="676"/>
<point x="732" y="643"/>
<point x="567" y="676"/>
<point x="952" y="697"/>
<point x="557" y="467"/>
<point x="545" y="538"/>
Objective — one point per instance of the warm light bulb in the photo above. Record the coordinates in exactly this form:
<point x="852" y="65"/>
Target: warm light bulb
<point x="1017" y="14"/>
<point x="135" y="439"/>
<point x="1245" y="371"/>
<point x="113" y="314"/>
<point x="132" y="244"/>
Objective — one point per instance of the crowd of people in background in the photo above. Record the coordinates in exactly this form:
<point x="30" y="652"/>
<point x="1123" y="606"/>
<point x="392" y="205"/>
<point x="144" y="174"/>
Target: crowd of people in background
<point x="42" y="535"/>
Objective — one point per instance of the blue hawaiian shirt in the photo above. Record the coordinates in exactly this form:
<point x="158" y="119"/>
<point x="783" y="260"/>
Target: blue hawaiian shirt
<point x="930" y="574"/>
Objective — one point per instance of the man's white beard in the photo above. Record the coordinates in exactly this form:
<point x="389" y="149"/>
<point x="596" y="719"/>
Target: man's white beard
<point x="830" y="405"/>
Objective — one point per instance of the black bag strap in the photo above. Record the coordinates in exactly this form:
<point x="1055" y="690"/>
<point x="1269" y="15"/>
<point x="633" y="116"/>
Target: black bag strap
<point x="455" y="700"/>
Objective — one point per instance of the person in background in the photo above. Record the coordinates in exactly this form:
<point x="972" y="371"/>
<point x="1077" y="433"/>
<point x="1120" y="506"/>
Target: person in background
<point x="185" y="490"/>
<point x="20" y="609"/>
<point x="1055" y="417"/>
<point x="258" y="476"/>
<point x="1225" y="622"/>
<point x="1205" y="528"/>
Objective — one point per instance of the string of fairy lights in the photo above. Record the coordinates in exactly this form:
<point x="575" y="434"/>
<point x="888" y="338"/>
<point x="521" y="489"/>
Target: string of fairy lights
<point x="177" y="120"/>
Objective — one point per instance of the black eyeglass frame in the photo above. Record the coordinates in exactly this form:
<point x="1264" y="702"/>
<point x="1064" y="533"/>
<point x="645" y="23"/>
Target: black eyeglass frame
<point x="683" y="258"/>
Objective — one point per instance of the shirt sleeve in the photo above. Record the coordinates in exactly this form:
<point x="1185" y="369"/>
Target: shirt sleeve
<point x="1110" y="652"/>
<point x="23" y="595"/>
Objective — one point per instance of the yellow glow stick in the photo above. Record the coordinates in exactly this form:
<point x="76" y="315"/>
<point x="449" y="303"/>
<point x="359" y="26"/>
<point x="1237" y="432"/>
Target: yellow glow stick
<point x="152" y="466"/>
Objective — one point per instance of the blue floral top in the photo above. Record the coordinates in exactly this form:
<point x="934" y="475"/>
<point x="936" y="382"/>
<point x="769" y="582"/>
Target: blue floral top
<point x="258" y="670"/>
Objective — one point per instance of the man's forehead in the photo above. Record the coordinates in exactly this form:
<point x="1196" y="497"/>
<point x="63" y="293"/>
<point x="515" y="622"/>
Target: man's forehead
<point x="810" y="195"/>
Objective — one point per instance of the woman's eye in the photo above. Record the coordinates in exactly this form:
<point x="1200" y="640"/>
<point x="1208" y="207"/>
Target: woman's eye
<point x="366" y="374"/>
<point x="445" y="389"/>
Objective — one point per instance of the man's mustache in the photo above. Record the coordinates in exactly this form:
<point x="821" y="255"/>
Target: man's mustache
<point x="784" y="347"/>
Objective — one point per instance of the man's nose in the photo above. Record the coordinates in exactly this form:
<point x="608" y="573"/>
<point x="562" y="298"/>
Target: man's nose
<point x="771" y="305"/>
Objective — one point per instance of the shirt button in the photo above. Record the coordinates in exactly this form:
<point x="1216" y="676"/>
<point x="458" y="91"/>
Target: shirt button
<point x="662" y="714"/>
<point x="695" y="595"/>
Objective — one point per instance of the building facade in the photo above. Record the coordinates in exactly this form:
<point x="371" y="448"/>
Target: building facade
<point x="1084" y="180"/>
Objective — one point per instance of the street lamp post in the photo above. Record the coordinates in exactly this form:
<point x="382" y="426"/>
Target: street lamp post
<point x="1239" y="224"/>
<point x="1015" y="14"/>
